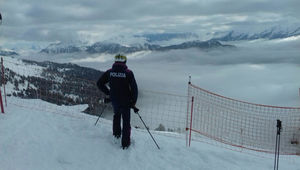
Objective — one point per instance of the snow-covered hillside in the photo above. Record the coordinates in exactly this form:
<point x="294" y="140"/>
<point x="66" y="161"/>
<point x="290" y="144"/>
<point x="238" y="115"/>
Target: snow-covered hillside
<point x="48" y="80"/>
<point x="41" y="140"/>
<point x="7" y="52"/>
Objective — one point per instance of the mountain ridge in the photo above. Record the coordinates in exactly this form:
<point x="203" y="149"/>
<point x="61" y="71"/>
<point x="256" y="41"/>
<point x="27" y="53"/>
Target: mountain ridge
<point x="269" y="34"/>
<point x="113" y="48"/>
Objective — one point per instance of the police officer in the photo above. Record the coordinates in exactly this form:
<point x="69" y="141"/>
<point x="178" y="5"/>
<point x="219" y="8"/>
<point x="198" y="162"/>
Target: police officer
<point x="123" y="93"/>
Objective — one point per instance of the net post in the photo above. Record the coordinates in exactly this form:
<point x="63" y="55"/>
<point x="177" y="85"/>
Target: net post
<point x="187" y="114"/>
<point x="192" y="108"/>
<point x="3" y="80"/>
<point x="1" y="103"/>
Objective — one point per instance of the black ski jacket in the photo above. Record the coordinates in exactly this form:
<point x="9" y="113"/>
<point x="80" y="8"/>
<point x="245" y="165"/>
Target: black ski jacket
<point x="123" y="90"/>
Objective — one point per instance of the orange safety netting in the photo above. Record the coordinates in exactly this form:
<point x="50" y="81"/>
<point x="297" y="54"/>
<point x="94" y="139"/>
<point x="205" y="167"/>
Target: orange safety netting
<point x="242" y="124"/>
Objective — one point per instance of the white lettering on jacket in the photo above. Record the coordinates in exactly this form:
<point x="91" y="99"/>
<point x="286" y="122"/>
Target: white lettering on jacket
<point x="115" y="74"/>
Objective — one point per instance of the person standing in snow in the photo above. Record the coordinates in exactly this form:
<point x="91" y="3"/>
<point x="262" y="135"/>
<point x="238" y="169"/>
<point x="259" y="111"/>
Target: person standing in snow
<point x="123" y="92"/>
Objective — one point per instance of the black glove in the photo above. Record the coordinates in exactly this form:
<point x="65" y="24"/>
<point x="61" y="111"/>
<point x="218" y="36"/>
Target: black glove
<point x="107" y="100"/>
<point x="135" y="109"/>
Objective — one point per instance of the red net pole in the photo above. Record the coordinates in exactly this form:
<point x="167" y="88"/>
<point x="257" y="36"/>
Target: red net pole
<point x="3" y="81"/>
<point x="187" y="116"/>
<point x="1" y="103"/>
<point x="192" y="107"/>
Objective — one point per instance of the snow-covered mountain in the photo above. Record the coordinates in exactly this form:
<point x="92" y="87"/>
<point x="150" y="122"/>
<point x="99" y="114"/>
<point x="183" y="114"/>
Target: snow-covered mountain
<point x="50" y="81"/>
<point x="270" y="34"/>
<point x="157" y="37"/>
<point x="211" y="44"/>
<point x="56" y="48"/>
<point x="169" y="41"/>
<point x="113" y="48"/>
<point x="157" y="41"/>
<point x="7" y="52"/>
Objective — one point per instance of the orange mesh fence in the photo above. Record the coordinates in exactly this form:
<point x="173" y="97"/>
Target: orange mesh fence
<point x="242" y="124"/>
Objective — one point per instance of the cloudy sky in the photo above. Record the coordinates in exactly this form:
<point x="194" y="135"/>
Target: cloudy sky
<point x="93" y="20"/>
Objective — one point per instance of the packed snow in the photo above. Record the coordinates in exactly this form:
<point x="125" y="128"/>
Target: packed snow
<point x="17" y="66"/>
<point x="41" y="140"/>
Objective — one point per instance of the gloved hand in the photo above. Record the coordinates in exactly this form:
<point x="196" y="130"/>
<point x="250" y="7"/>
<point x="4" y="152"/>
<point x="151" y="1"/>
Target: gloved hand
<point x="135" y="109"/>
<point x="105" y="100"/>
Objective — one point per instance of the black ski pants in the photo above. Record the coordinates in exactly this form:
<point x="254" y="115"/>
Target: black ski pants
<point x="124" y="112"/>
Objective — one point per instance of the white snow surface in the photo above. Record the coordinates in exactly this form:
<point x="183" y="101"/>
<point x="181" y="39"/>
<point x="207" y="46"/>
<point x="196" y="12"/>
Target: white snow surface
<point x="40" y="140"/>
<point x="19" y="66"/>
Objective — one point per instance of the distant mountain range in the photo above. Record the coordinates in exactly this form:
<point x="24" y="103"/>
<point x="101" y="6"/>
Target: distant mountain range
<point x="113" y="48"/>
<point x="151" y="38"/>
<point x="152" y="42"/>
<point x="270" y="34"/>
<point x="56" y="48"/>
<point x="164" y="42"/>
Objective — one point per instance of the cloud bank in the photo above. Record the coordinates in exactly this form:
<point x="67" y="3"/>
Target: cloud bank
<point x="63" y="20"/>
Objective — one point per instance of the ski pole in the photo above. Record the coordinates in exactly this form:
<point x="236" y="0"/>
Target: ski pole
<point x="276" y="149"/>
<point x="279" y="127"/>
<point x="100" y="114"/>
<point x="102" y="102"/>
<point x="136" y="110"/>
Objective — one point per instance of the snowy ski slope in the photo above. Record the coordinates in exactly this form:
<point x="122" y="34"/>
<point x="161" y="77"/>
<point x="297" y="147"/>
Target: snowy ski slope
<point x="39" y="140"/>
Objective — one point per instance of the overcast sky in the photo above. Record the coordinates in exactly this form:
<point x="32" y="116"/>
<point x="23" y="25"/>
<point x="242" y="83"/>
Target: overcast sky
<point x="93" y="20"/>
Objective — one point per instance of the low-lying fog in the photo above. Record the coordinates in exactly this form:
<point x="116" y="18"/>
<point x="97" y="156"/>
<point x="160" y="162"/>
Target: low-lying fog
<point x="261" y="71"/>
